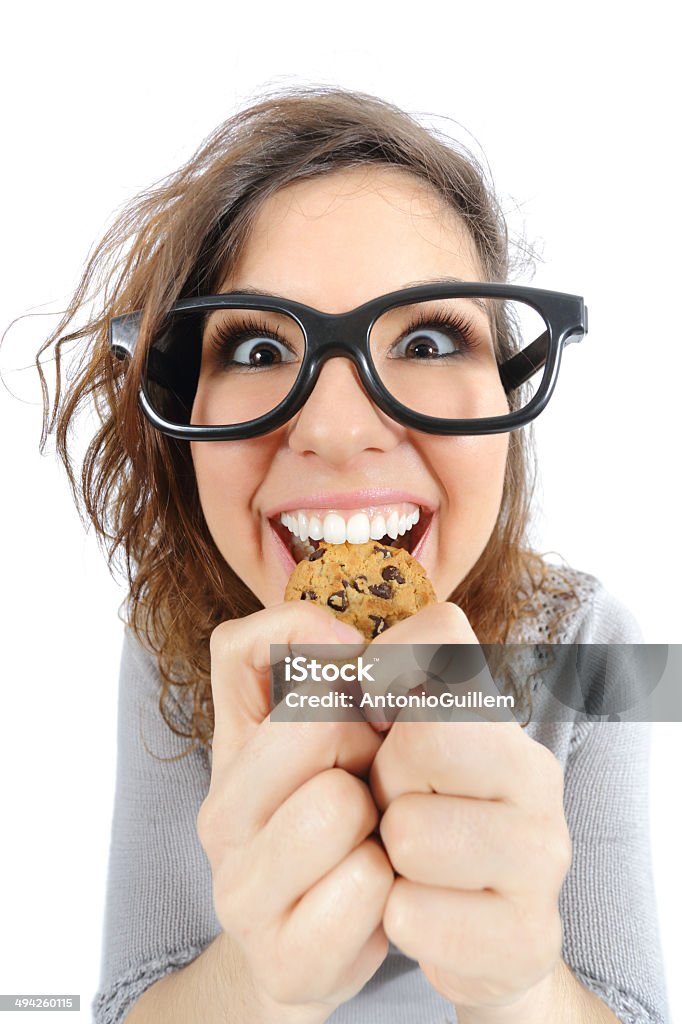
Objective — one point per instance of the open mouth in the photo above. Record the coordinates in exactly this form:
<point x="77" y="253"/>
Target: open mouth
<point x="299" y="547"/>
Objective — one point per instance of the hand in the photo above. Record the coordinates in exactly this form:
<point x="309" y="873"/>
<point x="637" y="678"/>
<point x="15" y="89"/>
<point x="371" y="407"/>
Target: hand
<point x="287" y="826"/>
<point x="473" y="824"/>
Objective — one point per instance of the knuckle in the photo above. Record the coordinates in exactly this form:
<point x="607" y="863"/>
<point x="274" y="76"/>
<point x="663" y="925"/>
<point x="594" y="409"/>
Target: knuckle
<point x="454" y="619"/>
<point x="413" y="740"/>
<point x="368" y="873"/>
<point x="220" y="638"/>
<point x="219" y="822"/>
<point x="397" y="836"/>
<point x="375" y="868"/>
<point x="342" y="797"/>
<point x="338" y="785"/>
<point x="350" y="792"/>
<point x="397" y="923"/>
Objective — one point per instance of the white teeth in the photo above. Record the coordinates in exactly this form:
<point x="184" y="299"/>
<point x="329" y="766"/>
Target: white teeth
<point x="315" y="531"/>
<point x="357" y="529"/>
<point x="392" y="525"/>
<point x="378" y="528"/>
<point x="334" y="528"/>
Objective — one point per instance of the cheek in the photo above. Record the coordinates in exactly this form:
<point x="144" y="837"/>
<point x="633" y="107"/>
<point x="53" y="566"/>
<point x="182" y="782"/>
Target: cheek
<point x="227" y="474"/>
<point x="474" y="469"/>
<point x="488" y="461"/>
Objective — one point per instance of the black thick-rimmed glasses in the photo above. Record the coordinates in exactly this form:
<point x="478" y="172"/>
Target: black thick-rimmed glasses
<point x="443" y="358"/>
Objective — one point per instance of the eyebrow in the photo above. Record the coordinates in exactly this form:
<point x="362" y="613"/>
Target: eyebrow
<point x="480" y="303"/>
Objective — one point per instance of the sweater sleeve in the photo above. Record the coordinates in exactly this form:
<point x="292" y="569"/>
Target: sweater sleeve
<point x="608" y="900"/>
<point x="159" y="912"/>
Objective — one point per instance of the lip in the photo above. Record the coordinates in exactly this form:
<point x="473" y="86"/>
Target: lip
<point x="349" y="499"/>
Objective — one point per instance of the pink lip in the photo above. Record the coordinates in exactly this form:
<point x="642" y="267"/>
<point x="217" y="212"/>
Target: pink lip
<point x="349" y="499"/>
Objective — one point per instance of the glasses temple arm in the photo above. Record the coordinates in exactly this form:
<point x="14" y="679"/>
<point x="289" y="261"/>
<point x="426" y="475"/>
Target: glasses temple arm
<point x="521" y="367"/>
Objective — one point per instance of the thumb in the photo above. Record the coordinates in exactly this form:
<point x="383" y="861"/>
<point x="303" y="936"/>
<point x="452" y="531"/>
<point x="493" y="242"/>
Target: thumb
<point x="240" y="664"/>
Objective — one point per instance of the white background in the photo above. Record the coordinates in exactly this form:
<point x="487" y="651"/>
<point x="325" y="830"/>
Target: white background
<point x="576" y="109"/>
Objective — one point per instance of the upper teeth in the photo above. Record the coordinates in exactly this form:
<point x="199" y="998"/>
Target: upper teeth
<point x="355" y="527"/>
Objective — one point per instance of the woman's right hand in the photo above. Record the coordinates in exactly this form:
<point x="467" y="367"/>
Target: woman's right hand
<point x="299" y="882"/>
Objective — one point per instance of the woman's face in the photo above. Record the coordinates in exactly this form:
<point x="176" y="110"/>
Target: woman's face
<point x="333" y="243"/>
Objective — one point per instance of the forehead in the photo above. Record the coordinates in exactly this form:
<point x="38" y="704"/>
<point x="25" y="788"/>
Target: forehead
<point x="339" y="239"/>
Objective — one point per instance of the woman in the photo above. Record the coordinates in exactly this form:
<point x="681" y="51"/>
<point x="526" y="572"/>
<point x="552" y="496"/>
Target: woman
<point x="330" y="871"/>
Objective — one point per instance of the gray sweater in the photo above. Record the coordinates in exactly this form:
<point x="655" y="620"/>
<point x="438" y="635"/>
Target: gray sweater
<point x="159" y="909"/>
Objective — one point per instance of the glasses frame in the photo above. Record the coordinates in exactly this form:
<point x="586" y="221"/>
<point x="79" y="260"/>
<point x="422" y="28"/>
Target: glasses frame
<point x="327" y="335"/>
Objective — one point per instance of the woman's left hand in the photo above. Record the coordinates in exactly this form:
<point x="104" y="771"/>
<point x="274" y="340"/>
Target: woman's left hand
<point x="474" y="826"/>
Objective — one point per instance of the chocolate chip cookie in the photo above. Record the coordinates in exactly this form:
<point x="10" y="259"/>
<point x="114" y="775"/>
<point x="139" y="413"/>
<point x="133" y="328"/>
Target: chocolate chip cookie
<point x="371" y="586"/>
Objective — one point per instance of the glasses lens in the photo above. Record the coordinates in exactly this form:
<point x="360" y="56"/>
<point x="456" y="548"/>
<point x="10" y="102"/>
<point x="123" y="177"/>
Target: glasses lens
<point x="224" y="366"/>
<point x="461" y="358"/>
<point x="452" y="358"/>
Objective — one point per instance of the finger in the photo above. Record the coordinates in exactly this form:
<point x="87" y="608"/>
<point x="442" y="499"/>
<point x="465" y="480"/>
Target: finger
<point x="459" y="843"/>
<point x="487" y="760"/>
<point x="240" y="664"/>
<point x="321" y="920"/>
<point x="441" y="623"/>
<point x="437" y="639"/>
<point x="313" y="831"/>
<point x="475" y="933"/>
<point x="274" y="764"/>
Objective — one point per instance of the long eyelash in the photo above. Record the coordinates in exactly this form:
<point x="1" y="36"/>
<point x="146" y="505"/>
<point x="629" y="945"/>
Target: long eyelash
<point x="226" y="335"/>
<point x="444" y="318"/>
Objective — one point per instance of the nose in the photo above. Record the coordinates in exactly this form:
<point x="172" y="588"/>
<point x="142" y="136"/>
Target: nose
<point x="339" y="419"/>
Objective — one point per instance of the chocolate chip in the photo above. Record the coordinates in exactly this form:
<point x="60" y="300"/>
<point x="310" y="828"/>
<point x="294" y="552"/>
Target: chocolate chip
<point x="379" y="625"/>
<point x="384" y="552"/>
<point x="360" y="587"/>
<point x="392" y="572"/>
<point x="309" y="595"/>
<point x="382" y="590"/>
<point x="346" y="583"/>
<point x="315" y="555"/>
<point x="338" y="601"/>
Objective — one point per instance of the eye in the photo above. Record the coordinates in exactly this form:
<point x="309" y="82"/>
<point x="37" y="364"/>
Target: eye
<point x="251" y="345"/>
<point x="261" y="352"/>
<point x="429" y="343"/>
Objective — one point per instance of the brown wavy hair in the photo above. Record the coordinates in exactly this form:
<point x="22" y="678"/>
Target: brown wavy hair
<point x="177" y="239"/>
